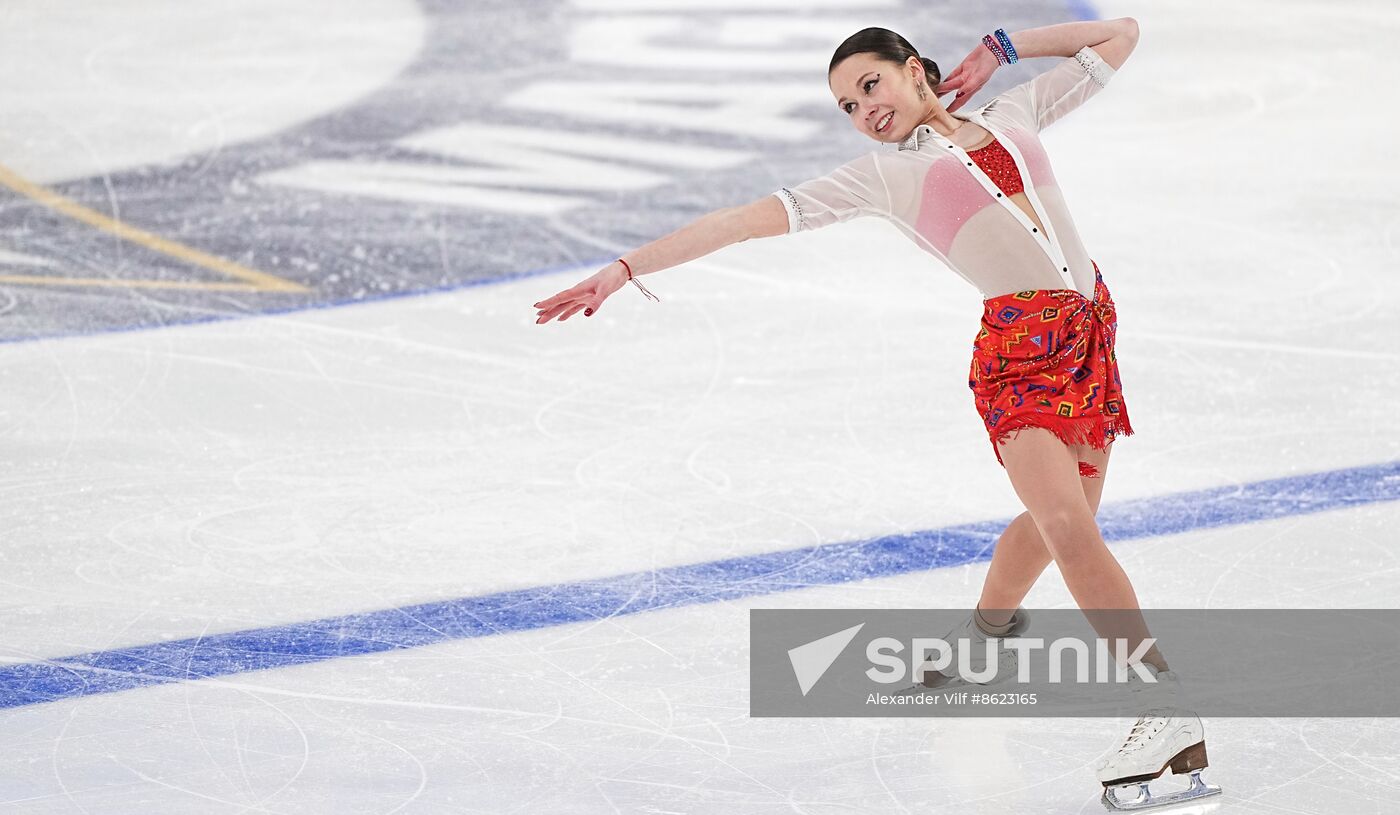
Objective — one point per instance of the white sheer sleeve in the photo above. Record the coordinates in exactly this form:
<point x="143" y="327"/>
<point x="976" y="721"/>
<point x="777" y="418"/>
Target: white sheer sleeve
<point x="1043" y="100"/>
<point x="854" y="189"/>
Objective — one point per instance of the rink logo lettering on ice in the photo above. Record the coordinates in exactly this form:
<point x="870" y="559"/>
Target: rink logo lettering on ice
<point x="432" y="158"/>
<point x="573" y="139"/>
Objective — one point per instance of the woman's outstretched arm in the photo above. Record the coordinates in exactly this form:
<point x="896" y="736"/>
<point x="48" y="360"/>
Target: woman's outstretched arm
<point x="715" y="230"/>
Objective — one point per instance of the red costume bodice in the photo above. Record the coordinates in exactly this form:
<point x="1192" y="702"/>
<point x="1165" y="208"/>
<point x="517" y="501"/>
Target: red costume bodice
<point x="999" y="166"/>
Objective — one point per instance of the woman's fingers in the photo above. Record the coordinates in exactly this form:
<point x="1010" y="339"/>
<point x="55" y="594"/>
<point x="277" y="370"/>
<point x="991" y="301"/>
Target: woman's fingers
<point x="547" y="314"/>
<point x="559" y="310"/>
<point x="567" y="309"/>
<point x="556" y="299"/>
<point x="965" y="93"/>
<point x="587" y="296"/>
<point x="551" y="306"/>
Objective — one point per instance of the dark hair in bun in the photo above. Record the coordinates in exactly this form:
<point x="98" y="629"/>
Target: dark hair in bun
<point x="931" y="68"/>
<point x="885" y="45"/>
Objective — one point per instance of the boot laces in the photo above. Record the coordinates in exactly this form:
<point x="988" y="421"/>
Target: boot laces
<point x="1146" y="725"/>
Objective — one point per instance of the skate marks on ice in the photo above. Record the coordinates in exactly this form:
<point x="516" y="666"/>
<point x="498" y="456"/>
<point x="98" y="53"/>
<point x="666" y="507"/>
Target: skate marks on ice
<point x="371" y="149"/>
<point x="126" y="189"/>
<point x="222" y="654"/>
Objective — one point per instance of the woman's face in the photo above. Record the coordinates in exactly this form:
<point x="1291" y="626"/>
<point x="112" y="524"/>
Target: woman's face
<point x="868" y="89"/>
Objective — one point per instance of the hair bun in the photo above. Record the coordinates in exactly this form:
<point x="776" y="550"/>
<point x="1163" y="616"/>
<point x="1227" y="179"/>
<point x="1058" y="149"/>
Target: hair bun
<point x="931" y="68"/>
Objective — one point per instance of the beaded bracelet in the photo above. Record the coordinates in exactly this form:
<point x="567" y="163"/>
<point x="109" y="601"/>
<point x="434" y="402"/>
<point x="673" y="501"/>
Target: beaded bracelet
<point x="1005" y="40"/>
<point x="995" y="48"/>
<point x="636" y="281"/>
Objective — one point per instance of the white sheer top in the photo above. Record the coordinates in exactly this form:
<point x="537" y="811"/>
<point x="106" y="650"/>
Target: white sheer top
<point x="937" y="195"/>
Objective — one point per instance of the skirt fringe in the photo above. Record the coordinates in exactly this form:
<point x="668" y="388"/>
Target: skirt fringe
<point x="1096" y="432"/>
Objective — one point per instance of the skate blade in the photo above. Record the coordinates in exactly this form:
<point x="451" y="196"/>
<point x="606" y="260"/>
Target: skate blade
<point x="1182" y="801"/>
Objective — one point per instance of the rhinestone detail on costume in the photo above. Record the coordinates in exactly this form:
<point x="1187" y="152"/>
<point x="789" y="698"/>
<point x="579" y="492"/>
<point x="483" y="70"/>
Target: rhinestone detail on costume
<point x="999" y="166"/>
<point x="801" y="221"/>
<point x="1089" y="64"/>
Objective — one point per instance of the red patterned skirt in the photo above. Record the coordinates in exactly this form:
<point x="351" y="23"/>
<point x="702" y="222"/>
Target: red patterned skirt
<point x="1044" y="358"/>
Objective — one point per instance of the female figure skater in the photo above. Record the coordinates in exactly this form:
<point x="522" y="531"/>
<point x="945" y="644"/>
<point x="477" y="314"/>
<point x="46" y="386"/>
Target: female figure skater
<point x="977" y="192"/>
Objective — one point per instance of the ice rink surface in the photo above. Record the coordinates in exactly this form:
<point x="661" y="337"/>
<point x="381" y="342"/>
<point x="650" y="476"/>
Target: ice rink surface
<point x="431" y="557"/>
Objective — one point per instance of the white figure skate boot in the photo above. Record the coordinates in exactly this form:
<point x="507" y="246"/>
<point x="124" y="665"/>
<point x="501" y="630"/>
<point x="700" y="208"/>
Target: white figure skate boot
<point x="977" y="658"/>
<point x="1161" y="737"/>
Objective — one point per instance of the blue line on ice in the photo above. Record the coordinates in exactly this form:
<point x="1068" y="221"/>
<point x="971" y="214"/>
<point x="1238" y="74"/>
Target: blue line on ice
<point x="731" y="578"/>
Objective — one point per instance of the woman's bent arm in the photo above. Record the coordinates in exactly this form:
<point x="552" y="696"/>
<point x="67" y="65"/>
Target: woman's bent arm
<point x="709" y="232"/>
<point x="1112" y="39"/>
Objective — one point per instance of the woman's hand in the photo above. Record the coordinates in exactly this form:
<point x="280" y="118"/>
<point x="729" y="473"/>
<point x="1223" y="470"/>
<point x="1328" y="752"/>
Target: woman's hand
<point x="588" y="295"/>
<point x="969" y="77"/>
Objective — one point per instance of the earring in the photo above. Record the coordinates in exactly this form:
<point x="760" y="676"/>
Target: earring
<point x="922" y="94"/>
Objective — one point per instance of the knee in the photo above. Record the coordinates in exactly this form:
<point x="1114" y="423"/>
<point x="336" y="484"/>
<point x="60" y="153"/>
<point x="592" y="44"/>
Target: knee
<point x="1067" y="533"/>
<point x="1056" y="526"/>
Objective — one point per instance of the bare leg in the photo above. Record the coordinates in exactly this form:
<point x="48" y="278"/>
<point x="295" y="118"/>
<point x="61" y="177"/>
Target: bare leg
<point x="1045" y="474"/>
<point x="1020" y="555"/>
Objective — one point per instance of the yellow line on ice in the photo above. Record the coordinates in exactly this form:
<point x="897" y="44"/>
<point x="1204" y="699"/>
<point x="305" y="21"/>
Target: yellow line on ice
<point x="115" y="282"/>
<point x="253" y="279"/>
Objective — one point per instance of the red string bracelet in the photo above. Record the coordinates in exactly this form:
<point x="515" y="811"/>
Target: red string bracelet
<point x="638" y="282"/>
